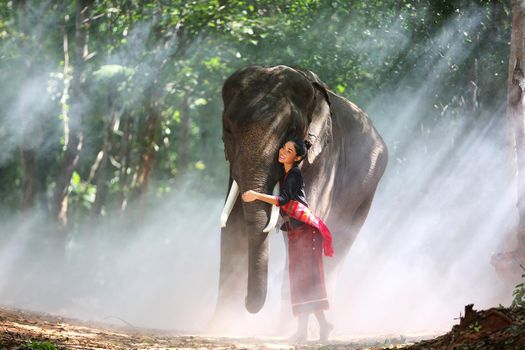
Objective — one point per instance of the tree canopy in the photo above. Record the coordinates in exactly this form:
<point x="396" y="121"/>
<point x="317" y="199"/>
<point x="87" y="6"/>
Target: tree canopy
<point x="138" y="84"/>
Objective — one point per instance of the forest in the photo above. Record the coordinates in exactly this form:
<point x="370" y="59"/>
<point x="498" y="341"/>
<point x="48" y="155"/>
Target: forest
<point x="108" y="103"/>
<point x="112" y="151"/>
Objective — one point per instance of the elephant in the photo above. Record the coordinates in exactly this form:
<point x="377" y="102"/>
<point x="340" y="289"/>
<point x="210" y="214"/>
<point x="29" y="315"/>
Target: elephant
<point x="263" y="108"/>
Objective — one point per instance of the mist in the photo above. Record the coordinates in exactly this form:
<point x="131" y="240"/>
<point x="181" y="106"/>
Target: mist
<point x="445" y="205"/>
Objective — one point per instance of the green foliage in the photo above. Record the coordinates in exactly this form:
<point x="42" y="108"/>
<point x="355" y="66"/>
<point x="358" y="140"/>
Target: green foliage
<point x="475" y="327"/>
<point x="151" y="88"/>
<point x="82" y="194"/>
<point x="519" y="293"/>
<point x="109" y="71"/>
<point x="37" y="345"/>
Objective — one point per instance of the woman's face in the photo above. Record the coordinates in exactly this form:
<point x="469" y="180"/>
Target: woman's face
<point x="288" y="154"/>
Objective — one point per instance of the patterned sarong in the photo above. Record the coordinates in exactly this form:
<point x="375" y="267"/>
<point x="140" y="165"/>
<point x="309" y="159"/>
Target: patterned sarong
<point x="301" y="212"/>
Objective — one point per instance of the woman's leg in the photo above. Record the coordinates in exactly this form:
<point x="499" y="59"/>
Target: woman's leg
<point x="302" y="328"/>
<point x="325" y="327"/>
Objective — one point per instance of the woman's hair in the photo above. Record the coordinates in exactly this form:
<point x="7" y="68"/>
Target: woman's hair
<point x="301" y="148"/>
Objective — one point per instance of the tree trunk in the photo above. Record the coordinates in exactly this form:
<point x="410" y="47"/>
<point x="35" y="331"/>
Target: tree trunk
<point x="183" y="143"/>
<point x="515" y="114"/>
<point x="27" y="147"/>
<point x="102" y="162"/>
<point x="518" y="120"/>
<point x="29" y="186"/>
<point x="507" y="263"/>
<point x="126" y="143"/>
<point x="102" y="181"/>
<point x="74" y="143"/>
<point x="101" y="167"/>
<point x="146" y="165"/>
<point x="125" y="153"/>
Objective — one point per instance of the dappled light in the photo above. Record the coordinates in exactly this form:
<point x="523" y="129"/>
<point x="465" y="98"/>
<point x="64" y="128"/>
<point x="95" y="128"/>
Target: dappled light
<point x="119" y="139"/>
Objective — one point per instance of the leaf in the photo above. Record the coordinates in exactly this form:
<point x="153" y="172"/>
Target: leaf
<point x="75" y="179"/>
<point x="111" y="70"/>
<point x="200" y="165"/>
<point x="200" y="102"/>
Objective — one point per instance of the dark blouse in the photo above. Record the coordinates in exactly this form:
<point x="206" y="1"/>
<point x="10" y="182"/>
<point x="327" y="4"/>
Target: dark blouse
<point x="292" y="188"/>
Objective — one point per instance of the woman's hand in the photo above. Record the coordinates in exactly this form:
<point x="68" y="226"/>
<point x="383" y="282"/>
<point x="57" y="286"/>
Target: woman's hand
<point x="249" y="196"/>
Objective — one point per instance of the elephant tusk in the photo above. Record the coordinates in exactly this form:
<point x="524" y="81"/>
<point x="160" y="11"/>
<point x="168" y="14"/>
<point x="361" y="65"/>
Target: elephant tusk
<point x="230" y="201"/>
<point x="275" y="212"/>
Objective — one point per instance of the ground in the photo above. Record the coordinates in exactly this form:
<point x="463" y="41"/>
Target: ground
<point x="19" y="329"/>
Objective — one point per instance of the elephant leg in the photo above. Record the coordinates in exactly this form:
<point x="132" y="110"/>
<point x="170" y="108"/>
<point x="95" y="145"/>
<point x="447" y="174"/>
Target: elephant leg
<point x="233" y="272"/>
<point x="344" y="234"/>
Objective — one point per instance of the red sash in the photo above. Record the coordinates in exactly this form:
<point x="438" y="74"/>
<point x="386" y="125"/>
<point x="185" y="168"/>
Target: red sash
<point x="301" y="212"/>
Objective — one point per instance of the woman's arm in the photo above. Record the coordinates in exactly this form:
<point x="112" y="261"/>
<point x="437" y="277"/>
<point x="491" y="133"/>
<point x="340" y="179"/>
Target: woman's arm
<point x="289" y="190"/>
<point x="250" y="196"/>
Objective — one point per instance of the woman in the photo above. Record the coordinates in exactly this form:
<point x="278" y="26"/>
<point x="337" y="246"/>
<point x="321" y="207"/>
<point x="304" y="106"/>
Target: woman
<point x="308" y="236"/>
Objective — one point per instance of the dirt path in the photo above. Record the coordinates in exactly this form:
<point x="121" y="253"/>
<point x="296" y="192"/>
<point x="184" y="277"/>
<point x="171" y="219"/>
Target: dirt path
<point x="493" y="329"/>
<point x="496" y="328"/>
<point x="20" y="329"/>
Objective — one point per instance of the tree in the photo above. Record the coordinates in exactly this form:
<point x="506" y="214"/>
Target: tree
<point x="144" y="109"/>
<point x="73" y="126"/>
<point x="27" y="147"/>
<point x="507" y="264"/>
<point x="515" y="112"/>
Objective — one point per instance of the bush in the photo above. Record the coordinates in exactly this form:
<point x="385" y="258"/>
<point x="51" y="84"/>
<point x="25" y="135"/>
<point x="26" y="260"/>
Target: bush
<point x="519" y="293"/>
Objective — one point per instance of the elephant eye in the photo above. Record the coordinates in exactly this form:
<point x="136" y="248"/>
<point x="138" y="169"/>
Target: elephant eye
<point x="226" y="131"/>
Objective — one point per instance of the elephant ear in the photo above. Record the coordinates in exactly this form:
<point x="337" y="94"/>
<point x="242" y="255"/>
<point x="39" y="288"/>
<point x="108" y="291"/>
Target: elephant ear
<point x="319" y="116"/>
<point x="320" y="127"/>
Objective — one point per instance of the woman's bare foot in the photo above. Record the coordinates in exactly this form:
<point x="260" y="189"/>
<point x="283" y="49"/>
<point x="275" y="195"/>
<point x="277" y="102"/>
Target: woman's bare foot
<point x="325" y="331"/>
<point x="297" y="338"/>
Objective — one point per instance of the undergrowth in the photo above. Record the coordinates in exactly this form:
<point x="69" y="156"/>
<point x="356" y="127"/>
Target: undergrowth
<point x="519" y="293"/>
<point x="37" y="345"/>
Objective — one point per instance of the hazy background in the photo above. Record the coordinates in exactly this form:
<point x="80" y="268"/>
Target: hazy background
<point x="431" y="77"/>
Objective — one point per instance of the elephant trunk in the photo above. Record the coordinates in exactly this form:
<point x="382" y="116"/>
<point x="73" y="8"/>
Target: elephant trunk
<point x="257" y="272"/>
<point x="257" y="215"/>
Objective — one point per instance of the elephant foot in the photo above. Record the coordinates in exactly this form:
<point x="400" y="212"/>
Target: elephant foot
<point x="325" y="331"/>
